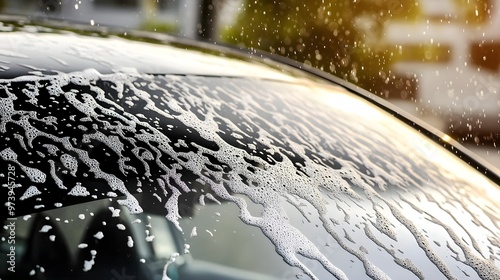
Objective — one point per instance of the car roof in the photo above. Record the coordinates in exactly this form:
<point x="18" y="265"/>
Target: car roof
<point x="54" y="47"/>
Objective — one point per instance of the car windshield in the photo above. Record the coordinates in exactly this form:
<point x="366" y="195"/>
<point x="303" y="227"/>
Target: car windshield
<point x="191" y="177"/>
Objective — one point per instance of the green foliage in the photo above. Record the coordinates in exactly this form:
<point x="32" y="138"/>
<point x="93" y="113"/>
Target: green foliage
<point x="344" y="37"/>
<point x="157" y="26"/>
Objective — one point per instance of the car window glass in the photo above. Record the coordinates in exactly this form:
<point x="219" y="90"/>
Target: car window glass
<point x="162" y="144"/>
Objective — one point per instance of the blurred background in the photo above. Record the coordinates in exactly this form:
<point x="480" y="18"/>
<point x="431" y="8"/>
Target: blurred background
<point x="436" y="59"/>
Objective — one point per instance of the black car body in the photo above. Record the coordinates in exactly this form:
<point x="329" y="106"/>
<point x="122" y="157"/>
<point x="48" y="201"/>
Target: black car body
<point x="149" y="157"/>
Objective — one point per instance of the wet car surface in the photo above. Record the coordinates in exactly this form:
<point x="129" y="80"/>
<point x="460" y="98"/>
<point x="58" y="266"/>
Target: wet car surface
<point x="154" y="161"/>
